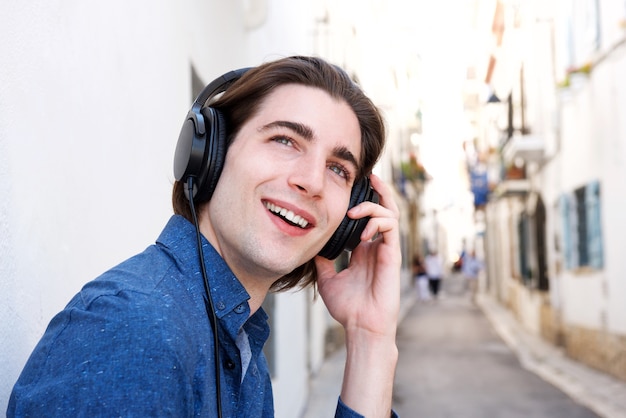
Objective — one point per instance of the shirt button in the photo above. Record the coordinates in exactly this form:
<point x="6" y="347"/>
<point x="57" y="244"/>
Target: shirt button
<point x="240" y="309"/>
<point x="230" y="364"/>
<point x="221" y="305"/>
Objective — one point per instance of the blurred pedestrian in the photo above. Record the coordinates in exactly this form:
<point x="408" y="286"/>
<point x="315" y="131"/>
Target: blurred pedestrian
<point x="471" y="269"/>
<point x="434" y="270"/>
<point x="421" y="278"/>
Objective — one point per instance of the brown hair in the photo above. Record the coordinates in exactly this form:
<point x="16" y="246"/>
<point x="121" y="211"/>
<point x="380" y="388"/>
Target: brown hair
<point x="242" y="100"/>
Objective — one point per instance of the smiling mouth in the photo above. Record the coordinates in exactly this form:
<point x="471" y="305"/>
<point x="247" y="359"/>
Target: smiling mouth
<point x="287" y="215"/>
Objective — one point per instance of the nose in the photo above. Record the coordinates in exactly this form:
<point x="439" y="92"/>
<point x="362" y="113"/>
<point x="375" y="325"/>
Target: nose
<point x="308" y="176"/>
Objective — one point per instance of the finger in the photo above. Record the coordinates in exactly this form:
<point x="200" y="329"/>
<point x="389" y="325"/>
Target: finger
<point x="373" y="210"/>
<point x="386" y="207"/>
<point x="379" y="226"/>
<point x="324" y="267"/>
<point x="385" y="193"/>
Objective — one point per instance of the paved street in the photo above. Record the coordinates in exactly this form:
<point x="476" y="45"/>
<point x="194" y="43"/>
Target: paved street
<point x="453" y="364"/>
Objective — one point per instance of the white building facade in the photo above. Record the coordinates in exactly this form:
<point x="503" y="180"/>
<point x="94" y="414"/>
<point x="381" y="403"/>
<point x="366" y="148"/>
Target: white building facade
<point x="555" y="220"/>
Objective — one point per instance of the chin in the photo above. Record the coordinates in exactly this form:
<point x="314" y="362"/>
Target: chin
<point x="275" y="258"/>
<point x="287" y="262"/>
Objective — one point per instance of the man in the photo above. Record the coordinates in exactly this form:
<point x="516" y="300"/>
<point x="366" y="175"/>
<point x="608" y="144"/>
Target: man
<point x="144" y="339"/>
<point x="471" y="269"/>
<point x="434" y="270"/>
<point x="421" y="278"/>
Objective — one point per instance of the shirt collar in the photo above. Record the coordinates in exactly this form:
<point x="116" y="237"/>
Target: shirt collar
<point x="230" y="298"/>
<point x="179" y="236"/>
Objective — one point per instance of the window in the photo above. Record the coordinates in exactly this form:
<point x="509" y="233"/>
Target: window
<point x="582" y="227"/>
<point x="523" y="231"/>
<point x="578" y="33"/>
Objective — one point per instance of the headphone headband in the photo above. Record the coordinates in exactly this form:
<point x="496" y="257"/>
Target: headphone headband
<point x="215" y="87"/>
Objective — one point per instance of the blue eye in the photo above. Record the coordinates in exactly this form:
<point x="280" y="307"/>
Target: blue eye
<point x="340" y="171"/>
<point x="283" y="140"/>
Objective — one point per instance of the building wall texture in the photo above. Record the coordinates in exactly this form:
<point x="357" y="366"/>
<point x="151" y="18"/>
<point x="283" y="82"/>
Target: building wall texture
<point x="92" y="98"/>
<point x="581" y="122"/>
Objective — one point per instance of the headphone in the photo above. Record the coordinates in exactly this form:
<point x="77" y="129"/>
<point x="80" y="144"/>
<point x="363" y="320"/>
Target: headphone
<point x="201" y="152"/>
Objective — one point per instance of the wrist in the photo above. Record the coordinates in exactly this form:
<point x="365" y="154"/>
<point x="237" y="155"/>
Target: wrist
<point x="365" y="342"/>
<point x="369" y="373"/>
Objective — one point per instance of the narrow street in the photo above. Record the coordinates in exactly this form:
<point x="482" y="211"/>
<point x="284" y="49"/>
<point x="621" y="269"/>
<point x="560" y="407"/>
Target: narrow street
<point x="453" y="364"/>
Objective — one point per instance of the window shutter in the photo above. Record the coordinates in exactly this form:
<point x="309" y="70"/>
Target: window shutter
<point x="566" y="213"/>
<point x="594" y="225"/>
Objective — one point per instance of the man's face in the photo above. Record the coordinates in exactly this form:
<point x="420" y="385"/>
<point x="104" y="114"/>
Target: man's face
<point x="286" y="182"/>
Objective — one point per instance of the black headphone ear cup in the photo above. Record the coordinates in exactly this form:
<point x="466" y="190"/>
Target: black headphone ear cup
<point x="348" y="234"/>
<point x="201" y="146"/>
<point x="216" y="154"/>
<point x="190" y="150"/>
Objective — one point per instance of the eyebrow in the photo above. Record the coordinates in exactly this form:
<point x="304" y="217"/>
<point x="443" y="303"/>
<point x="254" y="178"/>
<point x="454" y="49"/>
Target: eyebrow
<point x="306" y="132"/>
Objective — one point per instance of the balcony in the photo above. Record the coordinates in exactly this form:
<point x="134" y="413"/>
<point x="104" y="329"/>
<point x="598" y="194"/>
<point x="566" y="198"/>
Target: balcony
<point x="529" y="148"/>
<point x="514" y="187"/>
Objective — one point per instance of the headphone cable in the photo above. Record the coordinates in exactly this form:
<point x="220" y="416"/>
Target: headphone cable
<point x="209" y="300"/>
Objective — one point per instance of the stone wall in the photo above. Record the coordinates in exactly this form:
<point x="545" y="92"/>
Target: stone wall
<point x="551" y="326"/>
<point x="598" y="349"/>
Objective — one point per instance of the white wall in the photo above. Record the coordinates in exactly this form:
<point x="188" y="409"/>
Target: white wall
<point x="593" y="149"/>
<point x="290" y="333"/>
<point x="584" y="129"/>
<point x="613" y="201"/>
<point x="92" y="96"/>
<point x="592" y="143"/>
<point x="86" y="151"/>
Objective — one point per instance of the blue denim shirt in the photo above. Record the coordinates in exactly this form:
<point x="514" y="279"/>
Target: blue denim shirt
<point x="137" y="342"/>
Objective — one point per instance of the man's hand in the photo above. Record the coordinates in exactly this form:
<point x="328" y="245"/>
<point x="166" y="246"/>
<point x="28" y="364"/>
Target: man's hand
<point x="365" y="299"/>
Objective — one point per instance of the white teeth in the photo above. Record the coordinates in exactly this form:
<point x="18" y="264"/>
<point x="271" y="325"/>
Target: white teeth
<point x="287" y="214"/>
